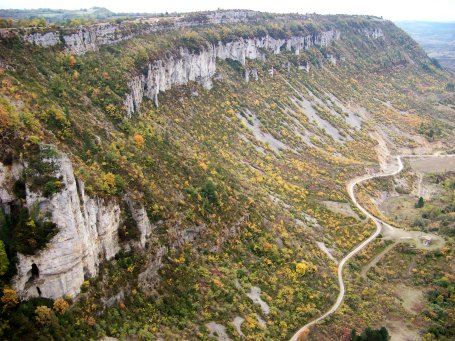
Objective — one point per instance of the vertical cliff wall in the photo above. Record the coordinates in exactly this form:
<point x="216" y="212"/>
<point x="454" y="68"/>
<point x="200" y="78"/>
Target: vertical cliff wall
<point x="87" y="233"/>
<point x="161" y="75"/>
<point x="84" y="39"/>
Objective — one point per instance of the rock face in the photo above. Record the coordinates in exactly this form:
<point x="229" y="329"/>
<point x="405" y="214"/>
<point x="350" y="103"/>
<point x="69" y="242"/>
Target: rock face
<point x="201" y="67"/>
<point x="332" y="59"/>
<point x="149" y="277"/>
<point x="230" y="16"/>
<point x="142" y="220"/>
<point x="83" y="39"/>
<point x="88" y="234"/>
<point x="251" y="72"/>
<point x="374" y="33"/>
<point x="305" y="67"/>
<point x="89" y="38"/>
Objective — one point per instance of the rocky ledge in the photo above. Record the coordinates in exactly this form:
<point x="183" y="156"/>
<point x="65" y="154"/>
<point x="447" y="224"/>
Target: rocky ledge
<point x="84" y="39"/>
<point x="87" y="233"/>
<point x="161" y="75"/>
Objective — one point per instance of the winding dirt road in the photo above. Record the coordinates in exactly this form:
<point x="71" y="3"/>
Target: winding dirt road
<point x="379" y="225"/>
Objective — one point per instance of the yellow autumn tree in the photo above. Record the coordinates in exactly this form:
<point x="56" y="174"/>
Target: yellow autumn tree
<point x="72" y="60"/>
<point x="60" y="305"/>
<point x="303" y="267"/>
<point x="109" y="182"/>
<point x="9" y="298"/>
<point x="43" y="315"/>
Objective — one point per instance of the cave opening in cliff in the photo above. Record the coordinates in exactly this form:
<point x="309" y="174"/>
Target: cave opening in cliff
<point x="39" y="291"/>
<point x="35" y="271"/>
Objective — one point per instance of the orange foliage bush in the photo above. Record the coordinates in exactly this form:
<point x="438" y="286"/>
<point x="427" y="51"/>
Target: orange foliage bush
<point x="139" y="139"/>
<point x="9" y="298"/>
<point x="60" y="305"/>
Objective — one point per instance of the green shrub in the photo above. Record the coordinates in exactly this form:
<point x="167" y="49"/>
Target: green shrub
<point x="19" y="188"/>
<point x="51" y="187"/>
<point x="129" y="230"/>
<point x="4" y="262"/>
<point x="371" y="335"/>
<point x="209" y="194"/>
<point x="30" y="232"/>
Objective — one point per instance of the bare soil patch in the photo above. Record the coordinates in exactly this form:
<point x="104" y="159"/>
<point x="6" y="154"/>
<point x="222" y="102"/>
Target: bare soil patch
<point x="433" y="164"/>
<point x="402" y="332"/>
<point x="401" y="209"/>
<point x="412" y="299"/>
<point x="341" y="208"/>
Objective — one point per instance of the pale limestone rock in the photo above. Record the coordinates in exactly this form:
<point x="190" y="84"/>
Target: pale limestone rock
<point x="149" y="277"/>
<point x="255" y="296"/>
<point x="332" y="59"/>
<point x="230" y="16"/>
<point x="305" y="67"/>
<point x="88" y="232"/>
<point x="374" y="33"/>
<point x="161" y="75"/>
<point x="142" y="220"/>
<point x="253" y="72"/>
<point x="89" y="38"/>
<point x="237" y="322"/>
<point x="87" y="235"/>
<point x="6" y="184"/>
<point x="43" y="39"/>
<point x="217" y="331"/>
<point x="81" y="39"/>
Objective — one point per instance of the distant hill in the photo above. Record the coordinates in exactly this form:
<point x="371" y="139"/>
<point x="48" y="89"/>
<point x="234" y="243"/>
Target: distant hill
<point x="438" y="39"/>
<point x="55" y="15"/>
<point x="63" y="15"/>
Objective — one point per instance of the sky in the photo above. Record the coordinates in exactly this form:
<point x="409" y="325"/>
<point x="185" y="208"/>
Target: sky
<point x="396" y="10"/>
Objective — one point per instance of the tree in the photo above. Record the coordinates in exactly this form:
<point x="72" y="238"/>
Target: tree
<point x="371" y="335"/>
<point x="9" y="298"/>
<point x="43" y="315"/>
<point x="209" y="193"/>
<point x="420" y="203"/>
<point x="109" y="183"/>
<point x="139" y="139"/>
<point x="60" y="305"/>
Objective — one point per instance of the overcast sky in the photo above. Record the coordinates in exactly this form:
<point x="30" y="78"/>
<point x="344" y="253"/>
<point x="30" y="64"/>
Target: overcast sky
<point x="435" y="10"/>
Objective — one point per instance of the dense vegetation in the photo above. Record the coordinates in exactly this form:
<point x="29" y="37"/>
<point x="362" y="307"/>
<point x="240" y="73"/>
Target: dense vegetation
<point x="371" y="335"/>
<point x="44" y="16"/>
<point x="196" y="161"/>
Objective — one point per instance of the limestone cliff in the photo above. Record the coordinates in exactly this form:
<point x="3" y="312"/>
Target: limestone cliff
<point x="373" y="33"/>
<point x="88" y="233"/>
<point x="161" y="75"/>
<point x="90" y="38"/>
<point x="83" y="39"/>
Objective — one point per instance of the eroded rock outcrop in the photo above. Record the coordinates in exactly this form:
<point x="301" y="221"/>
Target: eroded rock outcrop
<point x="251" y="72"/>
<point x="87" y="233"/>
<point x="82" y="39"/>
<point x="149" y="278"/>
<point x="142" y="220"/>
<point x="161" y="75"/>
<point x="90" y="38"/>
<point x="373" y="33"/>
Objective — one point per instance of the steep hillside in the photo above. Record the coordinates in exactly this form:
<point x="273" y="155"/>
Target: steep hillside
<point x="180" y="177"/>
